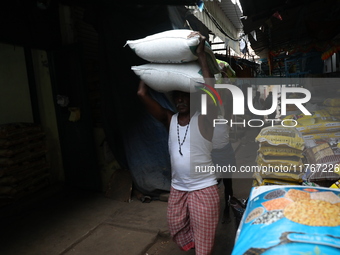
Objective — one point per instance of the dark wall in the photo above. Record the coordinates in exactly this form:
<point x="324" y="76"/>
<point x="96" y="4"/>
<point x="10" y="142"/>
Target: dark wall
<point x="137" y="140"/>
<point x="23" y="22"/>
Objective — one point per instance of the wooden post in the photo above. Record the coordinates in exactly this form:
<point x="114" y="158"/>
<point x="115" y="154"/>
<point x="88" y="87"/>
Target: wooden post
<point x="269" y="64"/>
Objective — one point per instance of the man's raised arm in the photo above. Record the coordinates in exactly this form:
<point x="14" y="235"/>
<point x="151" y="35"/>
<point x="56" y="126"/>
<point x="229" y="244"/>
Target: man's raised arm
<point x="152" y="106"/>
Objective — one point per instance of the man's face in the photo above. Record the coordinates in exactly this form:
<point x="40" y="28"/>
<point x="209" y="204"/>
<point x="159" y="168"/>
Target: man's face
<point x="182" y="101"/>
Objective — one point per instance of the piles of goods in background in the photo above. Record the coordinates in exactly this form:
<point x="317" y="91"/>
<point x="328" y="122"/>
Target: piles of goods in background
<point x="23" y="165"/>
<point x="280" y="156"/>
<point x="321" y="133"/>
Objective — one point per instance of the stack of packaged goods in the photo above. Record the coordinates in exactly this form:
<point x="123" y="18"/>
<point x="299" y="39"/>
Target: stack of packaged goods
<point x="323" y="160"/>
<point x="321" y="134"/>
<point x="280" y="156"/>
<point x="301" y="219"/>
<point x="23" y="166"/>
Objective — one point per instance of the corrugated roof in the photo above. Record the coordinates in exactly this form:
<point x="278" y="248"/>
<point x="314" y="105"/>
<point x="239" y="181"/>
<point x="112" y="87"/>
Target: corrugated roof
<point x="291" y="25"/>
<point x="232" y="11"/>
<point x="215" y="17"/>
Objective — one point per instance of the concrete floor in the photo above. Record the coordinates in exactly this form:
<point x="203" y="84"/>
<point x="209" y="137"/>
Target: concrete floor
<point x="76" y="222"/>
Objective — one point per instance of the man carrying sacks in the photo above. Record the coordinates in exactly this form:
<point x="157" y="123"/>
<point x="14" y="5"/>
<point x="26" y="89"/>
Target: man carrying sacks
<point x="194" y="203"/>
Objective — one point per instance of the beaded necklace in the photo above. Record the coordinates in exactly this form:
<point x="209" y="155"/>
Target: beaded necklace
<point x="179" y="140"/>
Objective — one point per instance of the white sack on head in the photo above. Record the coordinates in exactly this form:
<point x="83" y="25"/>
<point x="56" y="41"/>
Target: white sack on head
<point x="168" y="77"/>
<point x="172" y="46"/>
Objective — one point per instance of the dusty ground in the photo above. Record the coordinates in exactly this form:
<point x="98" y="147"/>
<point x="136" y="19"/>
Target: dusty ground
<point x="77" y="222"/>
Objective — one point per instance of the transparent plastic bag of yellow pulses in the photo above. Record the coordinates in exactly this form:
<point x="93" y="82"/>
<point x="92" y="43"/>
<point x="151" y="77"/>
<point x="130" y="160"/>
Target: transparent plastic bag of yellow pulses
<point x="322" y="113"/>
<point x="319" y="126"/>
<point x="315" y="136"/>
<point x="286" y="219"/>
<point x="320" y="122"/>
<point x="281" y="168"/>
<point x="281" y="136"/>
<point x="294" y="162"/>
<point x="279" y="151"/>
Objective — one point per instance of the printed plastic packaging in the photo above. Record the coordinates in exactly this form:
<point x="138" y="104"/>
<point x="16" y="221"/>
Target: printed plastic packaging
<point x="290" y="220"/>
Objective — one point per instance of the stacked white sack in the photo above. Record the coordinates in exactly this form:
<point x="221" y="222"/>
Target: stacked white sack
<point x="173" y="60"/>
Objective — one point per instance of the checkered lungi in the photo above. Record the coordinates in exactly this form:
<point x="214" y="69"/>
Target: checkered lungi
<point x="193" y="218"/>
